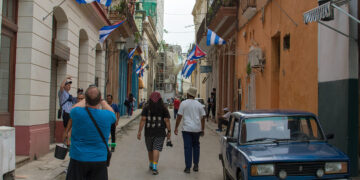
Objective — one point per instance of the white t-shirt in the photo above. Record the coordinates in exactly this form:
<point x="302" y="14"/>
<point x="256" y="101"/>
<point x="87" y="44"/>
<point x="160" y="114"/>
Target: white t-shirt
<point x="227" y="115"/>
<point x="192" y="112"/>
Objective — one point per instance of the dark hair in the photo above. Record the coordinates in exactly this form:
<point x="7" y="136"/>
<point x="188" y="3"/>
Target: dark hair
<point x="92" y="101"/>
<point x="131" y="95"/>
<point x="109" y="95"/>
<point x="156" y="106"/>
<point x="80" y="90"/>
<point x="214" y="89"/>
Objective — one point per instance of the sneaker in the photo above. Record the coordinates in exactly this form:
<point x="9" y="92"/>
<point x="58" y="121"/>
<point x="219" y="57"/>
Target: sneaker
<point x="187" y="170"/>
<point x="196" y="168"/>
<point x="218" y="130"/>
<point x="112" y="149"/>
<point x="155" y="172"/>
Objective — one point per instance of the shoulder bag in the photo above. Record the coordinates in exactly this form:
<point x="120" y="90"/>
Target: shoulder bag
<point x="102" y="137"/>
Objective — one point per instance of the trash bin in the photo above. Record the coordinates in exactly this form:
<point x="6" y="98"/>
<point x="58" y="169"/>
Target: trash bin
<point x="7" y="150"/>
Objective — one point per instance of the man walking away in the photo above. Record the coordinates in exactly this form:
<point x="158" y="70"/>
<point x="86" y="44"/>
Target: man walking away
<point x="224" y="119"/>
<point x="176" y="106"/>
<point x="65" y="99"/>
<point x="155" y="117"/>
<point x="193" y="114"/>
<point x="109" y="99"/>
<point x="88" y="153"/>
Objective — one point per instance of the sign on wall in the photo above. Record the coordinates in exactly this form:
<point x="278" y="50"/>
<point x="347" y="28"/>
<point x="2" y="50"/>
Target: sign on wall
<point x="205" y="69"/>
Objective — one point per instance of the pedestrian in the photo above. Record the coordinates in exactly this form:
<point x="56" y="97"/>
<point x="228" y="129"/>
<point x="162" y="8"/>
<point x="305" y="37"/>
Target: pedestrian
<point x="193" y="114"/>
<point x="155" y="117"/>
<point x="89" y="151"/>
<point x="210" y="101"/>
<point x="130" y="104"/>
<point x="65" y="100"/>
<point x="176" y="106"/>
<point x="109" y="99"/>
<point x="223" y="120"/>
<point x="80" y="92"/>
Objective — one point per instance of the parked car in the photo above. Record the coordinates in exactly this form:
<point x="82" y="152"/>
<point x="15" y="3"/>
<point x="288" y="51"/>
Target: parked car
<point x="279" y="145"/>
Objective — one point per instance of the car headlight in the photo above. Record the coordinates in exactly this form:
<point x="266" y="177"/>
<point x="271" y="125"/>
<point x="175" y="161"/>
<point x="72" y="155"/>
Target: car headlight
<point x="262" y="170"/>
<point x="336" y="167"/>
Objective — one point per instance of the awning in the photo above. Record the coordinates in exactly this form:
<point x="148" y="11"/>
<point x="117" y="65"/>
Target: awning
<point x="323" y="12"/>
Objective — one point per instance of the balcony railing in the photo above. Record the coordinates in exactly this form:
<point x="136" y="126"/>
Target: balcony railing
<point x="216" y="5"/>
<point x="245" y="4"/>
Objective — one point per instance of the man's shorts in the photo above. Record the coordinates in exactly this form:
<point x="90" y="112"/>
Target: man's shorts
<point x="154" y="143"/>
<point x="66" y="117"/>
<point x="86" y="170"/>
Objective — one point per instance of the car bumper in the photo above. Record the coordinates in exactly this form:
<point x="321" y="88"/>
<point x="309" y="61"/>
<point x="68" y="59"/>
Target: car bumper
<point x="297" y="178"/>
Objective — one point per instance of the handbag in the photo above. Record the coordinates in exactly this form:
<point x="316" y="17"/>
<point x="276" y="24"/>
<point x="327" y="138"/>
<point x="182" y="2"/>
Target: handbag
<point x="102" y="137"/>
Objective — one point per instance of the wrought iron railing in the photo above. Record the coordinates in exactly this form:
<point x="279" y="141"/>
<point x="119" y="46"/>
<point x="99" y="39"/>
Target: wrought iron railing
<point x="245" y="4"/>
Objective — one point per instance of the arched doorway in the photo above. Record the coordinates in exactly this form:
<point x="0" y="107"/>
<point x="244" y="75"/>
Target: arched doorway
<point x="58" y="71"/>
<point x="84" y="79"/>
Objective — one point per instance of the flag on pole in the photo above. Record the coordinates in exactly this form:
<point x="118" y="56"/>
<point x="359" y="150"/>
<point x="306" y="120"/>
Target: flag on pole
<point x="104" y="2"/>
<point x="106" y="30"/>
<point x="213" y="39"/>
<point x="132" y="53"/>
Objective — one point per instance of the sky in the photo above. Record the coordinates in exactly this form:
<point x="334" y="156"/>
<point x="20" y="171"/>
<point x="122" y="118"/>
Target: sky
<point x="177" y="15"/>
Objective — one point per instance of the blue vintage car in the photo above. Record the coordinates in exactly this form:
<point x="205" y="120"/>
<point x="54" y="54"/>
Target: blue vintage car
<point x="279" y="145"/>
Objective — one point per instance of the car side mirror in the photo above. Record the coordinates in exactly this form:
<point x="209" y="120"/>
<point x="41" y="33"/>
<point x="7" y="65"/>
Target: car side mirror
<point x="231" y="139"/>
<point x="330" y="136"/>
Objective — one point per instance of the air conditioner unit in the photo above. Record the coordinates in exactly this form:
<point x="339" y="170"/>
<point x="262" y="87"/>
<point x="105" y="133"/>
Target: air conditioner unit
<point x="7" y="150"/>
<point x="256" y="58"/>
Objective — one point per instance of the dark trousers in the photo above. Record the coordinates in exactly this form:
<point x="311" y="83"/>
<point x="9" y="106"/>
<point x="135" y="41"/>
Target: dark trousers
<point x="113" y="129"/>
<point x="191" y="148"/>
<point x="208" y="111"/>
<point x="79" y="170"/>
<point x="222" y="122"/>
<point x="175" y="113"/>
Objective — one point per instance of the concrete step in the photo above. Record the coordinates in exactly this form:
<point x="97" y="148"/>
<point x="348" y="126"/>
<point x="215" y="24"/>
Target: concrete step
<point x="21" y="160"/>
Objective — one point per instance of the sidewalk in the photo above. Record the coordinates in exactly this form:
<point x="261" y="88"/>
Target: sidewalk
<point x="48" y="167"/>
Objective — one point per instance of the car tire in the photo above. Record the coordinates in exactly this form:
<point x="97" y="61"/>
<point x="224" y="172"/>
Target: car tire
<point x="240" y="176"/>
<point x="225" y="175"/>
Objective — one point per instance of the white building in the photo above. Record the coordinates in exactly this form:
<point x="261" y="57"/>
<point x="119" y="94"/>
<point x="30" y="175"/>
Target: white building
<point x="46" y="50"/>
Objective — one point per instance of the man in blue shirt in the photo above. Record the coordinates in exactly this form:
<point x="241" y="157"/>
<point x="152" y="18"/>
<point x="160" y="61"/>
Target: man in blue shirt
<point x="88" y="153"/>
<point x="109" y="99"/>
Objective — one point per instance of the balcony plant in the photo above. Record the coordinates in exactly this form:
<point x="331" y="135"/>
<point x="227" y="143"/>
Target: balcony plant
<point x="118" y="11"/>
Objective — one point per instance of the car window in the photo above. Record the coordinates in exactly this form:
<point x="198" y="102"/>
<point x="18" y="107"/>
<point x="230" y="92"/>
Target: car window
<point x="296" y="128"/>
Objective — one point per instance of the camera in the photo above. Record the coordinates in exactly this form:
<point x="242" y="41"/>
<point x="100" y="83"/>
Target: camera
<point x="169" y="143"/>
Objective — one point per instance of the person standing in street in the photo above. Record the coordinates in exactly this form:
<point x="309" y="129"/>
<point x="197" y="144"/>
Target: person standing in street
<point x="193" y="113"/>
<point x="155" y="117"/>
<point x="88" y="152"/>
<point x="176" y="106"/>
<point x="210" y="101"/>
<point x="109" y="99"/>
<point x="129" y="103"/>
<point x="65" y="99"/>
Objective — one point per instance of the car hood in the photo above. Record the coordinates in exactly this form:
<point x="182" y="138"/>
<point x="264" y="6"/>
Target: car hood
<point x="292" y="152"/>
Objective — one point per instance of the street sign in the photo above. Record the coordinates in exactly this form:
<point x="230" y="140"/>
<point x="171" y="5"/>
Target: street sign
<point x="205" y="69"/>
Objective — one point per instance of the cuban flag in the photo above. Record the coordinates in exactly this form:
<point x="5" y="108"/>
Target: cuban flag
<point x="196" y="53"/>
<point x="214" y="39"/>
<point x="189" y="68"/>
<point x="132" y="53"/>
<point x="106" y="30"/>
<point x="104" y="2"/>
<point x="139" y="69"/>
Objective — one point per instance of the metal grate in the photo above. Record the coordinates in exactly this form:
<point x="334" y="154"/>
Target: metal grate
<point x="299" y="168"/>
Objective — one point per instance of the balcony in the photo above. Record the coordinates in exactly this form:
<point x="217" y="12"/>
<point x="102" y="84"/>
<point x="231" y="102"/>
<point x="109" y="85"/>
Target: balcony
<point x="121" y="12"/>
<point x="245" y="4"/>
<point x="221" y="18"/>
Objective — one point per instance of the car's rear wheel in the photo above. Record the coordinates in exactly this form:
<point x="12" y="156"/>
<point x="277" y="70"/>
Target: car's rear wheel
<point x="225" y="175"/>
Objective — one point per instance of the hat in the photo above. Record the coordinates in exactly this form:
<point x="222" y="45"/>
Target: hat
<point x="226" y="109"/>
<point x="192" y="91"/>
<point x="155" y="96"/>
<point x="68" y="82"/>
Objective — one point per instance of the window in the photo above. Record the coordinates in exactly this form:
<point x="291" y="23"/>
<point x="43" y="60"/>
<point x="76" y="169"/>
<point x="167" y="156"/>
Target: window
<point x="5" y="55"/>
<point x="287" y="42"/>
<point x="8" y="9"/>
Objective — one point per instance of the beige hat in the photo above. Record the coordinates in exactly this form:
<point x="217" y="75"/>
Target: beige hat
<point x="192" y="91"/>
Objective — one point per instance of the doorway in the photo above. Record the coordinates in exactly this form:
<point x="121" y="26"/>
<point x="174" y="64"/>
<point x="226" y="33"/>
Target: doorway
<point x="275" y="71"/>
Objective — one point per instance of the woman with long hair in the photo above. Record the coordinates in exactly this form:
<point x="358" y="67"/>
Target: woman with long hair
<point x="156" y="118"/>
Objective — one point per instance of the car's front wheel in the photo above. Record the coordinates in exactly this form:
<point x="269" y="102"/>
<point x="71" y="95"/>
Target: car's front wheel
<point x="225" y="174"/>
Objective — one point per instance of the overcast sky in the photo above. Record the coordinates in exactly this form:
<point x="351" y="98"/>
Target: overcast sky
<point x="177" y="15"/>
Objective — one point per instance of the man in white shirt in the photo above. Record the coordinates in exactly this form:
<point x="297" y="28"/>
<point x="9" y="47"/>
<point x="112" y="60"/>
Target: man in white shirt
<point x="224" y="119"/>
<point x="193" y="114"/>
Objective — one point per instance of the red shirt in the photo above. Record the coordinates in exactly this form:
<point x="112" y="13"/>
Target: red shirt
<point x="176" y="104"/>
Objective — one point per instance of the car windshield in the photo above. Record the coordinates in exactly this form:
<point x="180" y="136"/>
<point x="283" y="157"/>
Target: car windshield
<point x="285" y="128"/>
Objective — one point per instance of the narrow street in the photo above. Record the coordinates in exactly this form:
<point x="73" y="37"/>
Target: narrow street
<point x="130" y="158"/>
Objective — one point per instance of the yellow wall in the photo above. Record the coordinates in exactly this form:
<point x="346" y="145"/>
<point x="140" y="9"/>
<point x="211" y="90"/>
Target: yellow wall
<point x="298" y="84"/>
